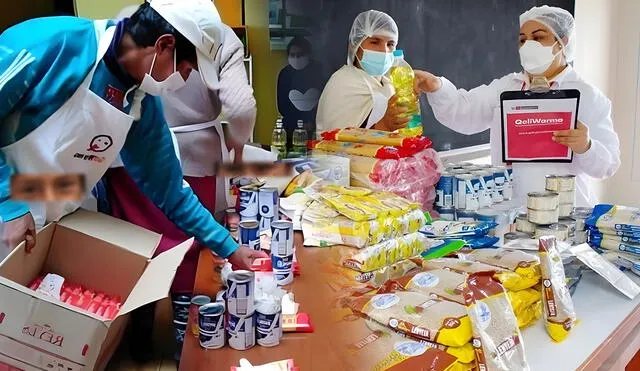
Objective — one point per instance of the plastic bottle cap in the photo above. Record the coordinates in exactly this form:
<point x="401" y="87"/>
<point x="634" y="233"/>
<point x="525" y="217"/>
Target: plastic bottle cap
<point x="398" y="53"/>
<point x="300" y="124"/>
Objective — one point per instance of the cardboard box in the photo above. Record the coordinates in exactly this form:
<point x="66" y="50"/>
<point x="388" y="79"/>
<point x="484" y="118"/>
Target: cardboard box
<point x="94" y="250"/>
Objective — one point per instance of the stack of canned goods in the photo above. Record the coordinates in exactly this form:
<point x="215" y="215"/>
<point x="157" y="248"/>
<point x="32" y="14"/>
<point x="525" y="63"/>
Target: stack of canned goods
<point x="240" y="310"/>
<point x="259" y="207"/>
<point x="282" y="251"/>
<point x="543" y="214"/>
<point x="565" y="187"/>
<point x="465" y="188"/>
<point x="580" y="215"/>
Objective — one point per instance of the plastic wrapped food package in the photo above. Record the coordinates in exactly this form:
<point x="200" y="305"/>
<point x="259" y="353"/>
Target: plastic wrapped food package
<point x="414" y="314"/>
<point x="435" y="283"/>
<point x="496" y="337"/>
<point x="370" y="136"/>
<point x="342" y="278"/>
<point x="614" y="217"/>
<point x="362" y="348"/>
<point x="363" y="149"/>
<point x="527" y="266"/>
<point x="559" y="313"/>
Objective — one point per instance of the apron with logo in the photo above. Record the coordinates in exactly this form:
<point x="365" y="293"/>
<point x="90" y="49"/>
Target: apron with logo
<point x="83" y="136"/>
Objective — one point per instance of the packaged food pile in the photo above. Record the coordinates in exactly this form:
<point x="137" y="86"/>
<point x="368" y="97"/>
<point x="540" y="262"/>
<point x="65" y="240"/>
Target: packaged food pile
<point x="385" y="161"/>
<point x="615" y="228"/>
<point x="357" y="217"/>
<point x="98" y="303"/>
<point x="476" y="235"/>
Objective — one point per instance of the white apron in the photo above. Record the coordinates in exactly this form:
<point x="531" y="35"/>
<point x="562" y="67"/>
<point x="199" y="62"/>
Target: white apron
<point x="83" y="136"/>
<point x="223" y="200"/>
<point x="380" y="104"/>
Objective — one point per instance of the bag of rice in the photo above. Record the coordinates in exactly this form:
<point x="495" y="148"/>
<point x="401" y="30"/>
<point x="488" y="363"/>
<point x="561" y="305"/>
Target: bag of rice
<point x="359" y="347"/>
<point x="510" y="280"/>
<point x="435" y="283"/>
<point x="496" y="337"/>
<point x="341" y="278"/>
<point x="614" y="217"/>
<point x="417" y="315"/>
<point x="559" y="314"/>
<point x="527" y="266"/>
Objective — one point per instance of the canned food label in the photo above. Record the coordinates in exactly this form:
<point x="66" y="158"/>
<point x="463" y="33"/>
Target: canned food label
<point x="242" y="334"/>
<point x="211" y="323"/>
<point x="240" y="298"/>
<point x="268" y="329"/>
<point x="248" y="204"/>
<point x="281" y="262"/>
<point x="282" y="242"/>
<point x="212" y="340"/>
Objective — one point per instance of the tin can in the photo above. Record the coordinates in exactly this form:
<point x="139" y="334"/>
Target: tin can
<point x="249" y="203"/>
<point x="240" y="293"/>
<point x="570" y="223"/>
<point x="465" y="215"/>
<point x="180" y="329"/>
<point x="543" y="201"/>
<point x="181" y="304"/>
<point x="211" y="325"/>
<point x="268" y="326"/>
<point x="445" y="190"/>
<point x="197" y="302"/>
<point x="282" y="238"/>
<point x="580" y="237"/>
<point x="242" y="331"/>
<point x="467" y="196"/>
<point x="560" y="183"/>
<point x="250" y="234"/>
<point x="524" y="225"/>
<point x="565" y="210"/>
<point x="561" y="232"/>
<point x="268" y="201"/>
<point x="499" y="181"/>
<point x="580" y="214"/>
<point x="282" y="269"/>
<point x="507" y="189"/>
<point x="543" y="217"/>
<point x="485" y="179"/>
<point x="447" y="213"/>
<point x="567" y="198"/>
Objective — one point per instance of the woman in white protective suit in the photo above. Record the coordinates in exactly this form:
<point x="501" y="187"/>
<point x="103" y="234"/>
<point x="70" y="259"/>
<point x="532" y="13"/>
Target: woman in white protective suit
<point x="359" y="94"/>
<point x="547" y="46"/>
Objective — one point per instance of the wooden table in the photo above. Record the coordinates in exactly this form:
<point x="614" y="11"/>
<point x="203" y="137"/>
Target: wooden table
<point x="309" y="351"/>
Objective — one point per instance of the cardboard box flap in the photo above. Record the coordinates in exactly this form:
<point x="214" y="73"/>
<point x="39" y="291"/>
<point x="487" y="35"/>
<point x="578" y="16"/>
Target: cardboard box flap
<point x="115" y="231"/>
<point x="155" y="282"/>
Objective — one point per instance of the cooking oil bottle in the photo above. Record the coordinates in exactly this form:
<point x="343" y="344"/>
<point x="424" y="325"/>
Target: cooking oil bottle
<point x="402" y="77"/>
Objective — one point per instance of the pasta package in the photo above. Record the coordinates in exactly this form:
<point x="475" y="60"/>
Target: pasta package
<point x="522" y="299"/>
<point x="529" y="315"/>
<point x="614" y="217"/>
<point x="341" y="278"/>
<point x="418" y="316"/>
<point x="364" y="149"/>
<point x="527" y="266"/>
<point x="370" y="136"/>
<point x="496" y="337"/>
<point x="435" y="283"/>
<point x="559" y="313"/>
<point x="362" y="346"/>
<point x="510" y="280"/>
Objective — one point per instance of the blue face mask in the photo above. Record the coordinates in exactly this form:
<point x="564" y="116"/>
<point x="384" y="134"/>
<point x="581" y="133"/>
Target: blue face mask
<point x="376" y="63"/>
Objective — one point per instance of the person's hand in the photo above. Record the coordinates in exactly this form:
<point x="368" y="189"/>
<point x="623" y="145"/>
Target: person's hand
<point x="18" y="230"/>
<point x="244" y="257"/>
<point x="578" y="139"/>
<point x="393" y="118"/>
<point x="426" y="82"/>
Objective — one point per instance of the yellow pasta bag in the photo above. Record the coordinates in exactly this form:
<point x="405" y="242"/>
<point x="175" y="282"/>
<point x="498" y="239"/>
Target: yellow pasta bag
<point x="352" y="191"/>
<point x="529" y="315"/>
<point x="527" y="266"/>
<point x="370" y="136"/>
<point x="523" y="299"/>
<point x="559" y="313"/>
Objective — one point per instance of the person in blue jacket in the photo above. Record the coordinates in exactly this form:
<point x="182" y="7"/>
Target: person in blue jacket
<point x="75" y="93"/>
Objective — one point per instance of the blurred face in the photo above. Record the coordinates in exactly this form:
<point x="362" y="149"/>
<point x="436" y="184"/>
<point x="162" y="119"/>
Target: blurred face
<point x="47" y="187"/>
<point x="376" y="43"/>
<point x="536" y="31"/>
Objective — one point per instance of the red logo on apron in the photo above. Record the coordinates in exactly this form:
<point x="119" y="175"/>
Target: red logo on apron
<point x="114" y="96"/>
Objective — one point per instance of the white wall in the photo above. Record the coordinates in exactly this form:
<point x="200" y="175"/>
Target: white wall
<point x="608" y="34"/>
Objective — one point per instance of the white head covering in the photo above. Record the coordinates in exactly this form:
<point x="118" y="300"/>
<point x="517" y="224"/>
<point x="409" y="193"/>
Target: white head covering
<point x="368" y="24"/>
<point x="561" y="24"/>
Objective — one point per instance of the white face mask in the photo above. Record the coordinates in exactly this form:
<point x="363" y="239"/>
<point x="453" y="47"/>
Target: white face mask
<point x="299" y="63"/>
<point x="536" y="58"/>
<point x="157" y="88"/>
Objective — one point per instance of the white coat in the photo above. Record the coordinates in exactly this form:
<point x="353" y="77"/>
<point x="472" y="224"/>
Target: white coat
<point x="476" y="110"/>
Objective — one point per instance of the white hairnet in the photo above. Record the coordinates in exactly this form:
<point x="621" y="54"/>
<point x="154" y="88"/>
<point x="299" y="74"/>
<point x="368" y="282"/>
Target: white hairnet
<point x="127" y="12"/>
<point x="559" y="21"/>
<point x="368" y="24"/>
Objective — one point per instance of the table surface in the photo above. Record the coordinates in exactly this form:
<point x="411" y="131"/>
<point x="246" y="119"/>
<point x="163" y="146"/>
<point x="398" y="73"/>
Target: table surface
<point x="609" y="321"/>
<point x="310" y="351"/>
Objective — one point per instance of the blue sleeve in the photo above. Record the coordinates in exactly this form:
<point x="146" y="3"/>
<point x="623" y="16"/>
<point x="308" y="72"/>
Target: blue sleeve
<point x="150" y="159"/>
<point x="19" y="71"/>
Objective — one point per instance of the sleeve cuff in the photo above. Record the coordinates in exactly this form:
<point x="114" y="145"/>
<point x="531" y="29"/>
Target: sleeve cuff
<point x="447" y="92"/>
<point x="10" y="210"/>
<point x="591" y="154"/>
<point x="228" y="247"/>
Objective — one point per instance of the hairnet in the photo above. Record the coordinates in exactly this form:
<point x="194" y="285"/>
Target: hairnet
<point x="559" y="21"/>
<point x="368" y="24"/>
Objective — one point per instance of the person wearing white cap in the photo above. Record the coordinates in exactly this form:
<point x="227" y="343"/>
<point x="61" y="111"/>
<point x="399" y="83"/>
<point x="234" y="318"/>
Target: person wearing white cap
<point x="359" y="94"/>
<point x="547" y="47"/>
<point x="75" y="93"/>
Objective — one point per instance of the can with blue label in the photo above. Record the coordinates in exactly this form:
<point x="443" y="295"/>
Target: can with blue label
<point x="499" y="181"/>
<point x="467" y="196"/>
<point x="242" y="331"/>
<point x="249" y="203"/>
<point x="447" y="213"/>
<point x="240" y="293"/>
<point x="250" y="234"/>
<point x="508" y="183"/>
<point x="268" y="323"/>
<point x="211" y="325"/>
<point x="268" y="202"/>
<point x="484" y="192"/>
<point x="445" y="190"/>
<point x="282" y="238"/>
